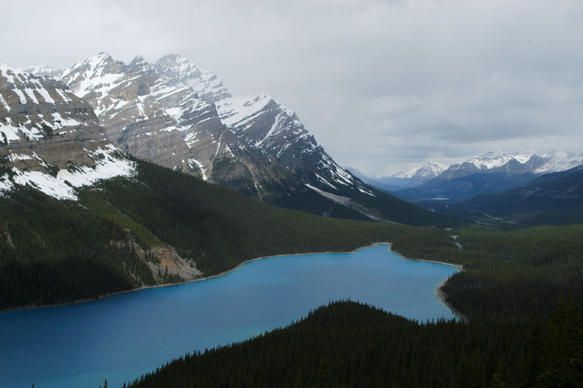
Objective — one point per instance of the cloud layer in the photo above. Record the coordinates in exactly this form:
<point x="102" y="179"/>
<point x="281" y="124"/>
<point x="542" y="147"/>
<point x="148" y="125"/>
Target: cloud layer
<point x="382" y="84"/>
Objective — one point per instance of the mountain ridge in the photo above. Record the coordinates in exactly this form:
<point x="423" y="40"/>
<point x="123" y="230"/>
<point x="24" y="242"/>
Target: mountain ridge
<point x="552" y="161"/>
<point x="174" y="114"/>
<point x="552" y="198"/>
<point x="50" y="139"/>
<point x="483" y="174"/>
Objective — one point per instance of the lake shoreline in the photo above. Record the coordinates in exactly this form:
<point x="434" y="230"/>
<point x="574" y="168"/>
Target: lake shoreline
<point x="442" y="295"/>
<point x="439" y="292"/>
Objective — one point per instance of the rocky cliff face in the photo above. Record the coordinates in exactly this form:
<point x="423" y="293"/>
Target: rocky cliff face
<point x="165" y="113"/>
<point x="50" y="139"/>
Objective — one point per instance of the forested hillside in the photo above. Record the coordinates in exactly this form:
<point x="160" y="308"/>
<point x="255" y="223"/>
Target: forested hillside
<point x="507" y="274"/>
<point x="353" y="345"/>
<point x="549" y="199"/>
<point x="159" y="227"/>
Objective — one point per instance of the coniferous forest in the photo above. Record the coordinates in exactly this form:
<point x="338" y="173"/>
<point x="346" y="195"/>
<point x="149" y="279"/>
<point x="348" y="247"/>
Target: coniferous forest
<point x="347" y="344"/>
<point x="520" y="303"/>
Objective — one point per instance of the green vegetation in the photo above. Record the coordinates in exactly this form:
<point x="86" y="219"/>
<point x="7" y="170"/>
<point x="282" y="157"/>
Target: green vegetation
<point x="52" y="252"/>
<point x="550" y="199"/>
<point x="508" y="274"/>
<point x="220" y="228"/>
<point x="352" y="345"/>
<point x="521" y="290"/>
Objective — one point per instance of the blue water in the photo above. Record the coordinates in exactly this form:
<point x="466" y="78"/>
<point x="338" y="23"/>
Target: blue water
<point x="121" y="337"/>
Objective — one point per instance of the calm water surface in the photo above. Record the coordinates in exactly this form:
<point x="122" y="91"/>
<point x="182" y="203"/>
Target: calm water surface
<point x="121" y="337"/>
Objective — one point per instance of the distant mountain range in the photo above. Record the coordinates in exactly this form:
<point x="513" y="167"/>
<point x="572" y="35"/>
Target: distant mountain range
<point x="553" y="198"/>
<point x="431" y="184"/>
<point x="404" y="179"/>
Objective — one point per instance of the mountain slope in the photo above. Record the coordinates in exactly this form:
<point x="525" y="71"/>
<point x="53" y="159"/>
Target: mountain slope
<point x="443" y="192"/>
<point x="550" y="198"/>
<point x="485" y="173"/>
<point x="174" y="114"/>
<point x="346" y="344"/>
<point x="161" y="226"/>
<point x="51" y="139"/>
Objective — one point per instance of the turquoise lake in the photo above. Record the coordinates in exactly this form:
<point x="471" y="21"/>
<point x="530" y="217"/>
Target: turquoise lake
<point x="124" y="336"/>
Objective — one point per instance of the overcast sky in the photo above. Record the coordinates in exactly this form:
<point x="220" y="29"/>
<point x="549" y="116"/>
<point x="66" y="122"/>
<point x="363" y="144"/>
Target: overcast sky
<point x="382" y="85"/>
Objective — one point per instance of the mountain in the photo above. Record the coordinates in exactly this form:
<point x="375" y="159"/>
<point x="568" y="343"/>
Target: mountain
<point x="178" y="116"/>
<point x="549" y="199"/>
<point x="377" y="182"/>
<point x="486" y="173"/>
<point x="425" y="172"/>
<point x="441" y="192"/>
<point x="50" y="139"/>
<point x="556" y="161"/>
<point x="493" y="162"/>
<point x="409" y="178"/>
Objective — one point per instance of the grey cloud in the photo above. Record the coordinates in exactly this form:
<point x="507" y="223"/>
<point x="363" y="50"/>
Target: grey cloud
<point x="382" y="84"/>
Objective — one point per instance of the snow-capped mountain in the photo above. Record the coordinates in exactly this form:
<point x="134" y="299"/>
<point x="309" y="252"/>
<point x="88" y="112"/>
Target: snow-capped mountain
<point x="515" y="163"/>
<point x="424" y="172"/>
<point x="487" y="173"/>
<point x="407" y="178"/>
<point x="50" y="140"/>
<point x="179" y="116"/>
<point x="557" y="161"/>
<point x="492" y="162"/>
<point x="547" y="199"/>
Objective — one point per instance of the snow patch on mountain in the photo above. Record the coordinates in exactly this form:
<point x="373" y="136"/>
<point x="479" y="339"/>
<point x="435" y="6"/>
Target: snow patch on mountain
<point x="557" y="161"/>
<point x="63" y="186"/>
<point x="490" y="160"/>
<point x="200" y="166"/>
<point x="238" y="112"/>
<point x="28" y="88"/>
<point x="206" y="84"/>
<point x="40" y="116"/>
<point x="5" y="185"/>
<point x="109" y="164"/>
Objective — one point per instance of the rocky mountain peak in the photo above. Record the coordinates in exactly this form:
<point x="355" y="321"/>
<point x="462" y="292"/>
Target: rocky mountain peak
<point x="425" y="171"/>
<point x="138" y="64"/>
<point x="180" y="70"/>
<point x="50" y="139"/>
<point x="499" y="163"/>
<point x="179" y="116"/>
